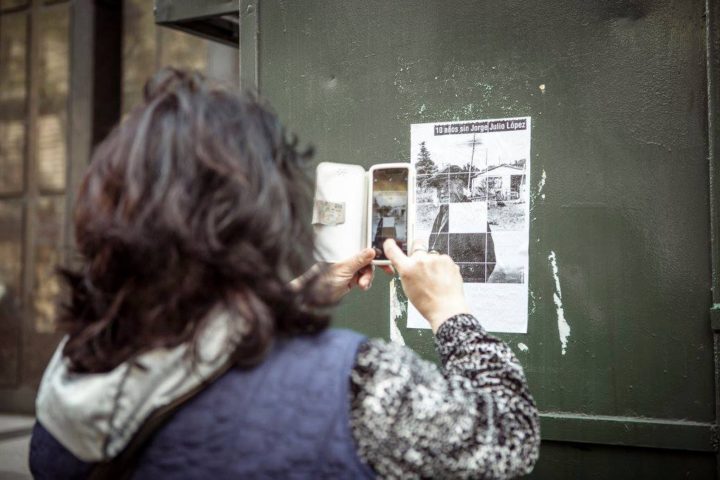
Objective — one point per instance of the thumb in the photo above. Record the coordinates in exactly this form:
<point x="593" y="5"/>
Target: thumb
<point x="358" y="261"/>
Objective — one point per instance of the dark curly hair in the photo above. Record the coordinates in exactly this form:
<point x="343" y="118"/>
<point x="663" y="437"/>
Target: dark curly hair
<point x="197" y="199"/>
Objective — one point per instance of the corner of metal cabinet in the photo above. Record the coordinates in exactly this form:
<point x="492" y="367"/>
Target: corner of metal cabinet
<point x="715" y="317"/>
<point x="715" y="438"/>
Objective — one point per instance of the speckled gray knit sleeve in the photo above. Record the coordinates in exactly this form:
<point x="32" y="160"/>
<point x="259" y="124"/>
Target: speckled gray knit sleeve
<point x="475" y="419"/>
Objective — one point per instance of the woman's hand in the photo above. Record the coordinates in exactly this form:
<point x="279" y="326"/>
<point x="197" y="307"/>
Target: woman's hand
<point x="358" y="270"/>
<point x="432" y="282"/>
<point x="342" y="276"/>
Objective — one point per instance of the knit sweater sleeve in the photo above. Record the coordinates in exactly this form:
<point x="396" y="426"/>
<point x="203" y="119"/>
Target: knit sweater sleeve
<point x="475" y="418"/>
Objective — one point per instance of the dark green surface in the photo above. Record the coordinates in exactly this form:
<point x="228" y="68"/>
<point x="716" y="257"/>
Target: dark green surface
<point x="621" y="132"/>
<point x="597" y="462"/>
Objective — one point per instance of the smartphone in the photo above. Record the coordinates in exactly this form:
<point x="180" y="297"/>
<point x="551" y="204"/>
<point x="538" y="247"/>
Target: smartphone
<point x="390" y="207"/>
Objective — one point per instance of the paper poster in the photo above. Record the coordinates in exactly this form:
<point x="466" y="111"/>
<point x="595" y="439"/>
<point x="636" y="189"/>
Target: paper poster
<point x="472" y="203"/>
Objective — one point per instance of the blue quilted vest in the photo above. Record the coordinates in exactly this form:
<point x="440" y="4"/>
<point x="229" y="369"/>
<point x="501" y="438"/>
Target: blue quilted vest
<point x="287" y="418"/>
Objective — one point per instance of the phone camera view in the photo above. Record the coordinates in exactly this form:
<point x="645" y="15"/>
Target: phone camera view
<point x="389" y="208"/>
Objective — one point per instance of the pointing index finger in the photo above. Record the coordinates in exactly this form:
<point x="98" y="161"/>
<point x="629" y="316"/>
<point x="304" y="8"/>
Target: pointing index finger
<point x="399" y="260"/>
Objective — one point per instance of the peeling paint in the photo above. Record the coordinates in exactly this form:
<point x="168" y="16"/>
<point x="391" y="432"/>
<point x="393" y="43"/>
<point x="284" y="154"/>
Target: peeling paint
<point x="523" y="347"/>
<point x="395" y="335"/>
<point x="397" y="313"/>
<point x="563" y="326"/>
<point x="539" y="192"/>
<point x="459" y="81"/>
<point x="541" y="183"/>
<point x="532" y="301"/>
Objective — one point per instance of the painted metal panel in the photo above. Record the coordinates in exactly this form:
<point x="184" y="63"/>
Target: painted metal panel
<point x="617" y="93"/>
<point x="600" y="462"/>
<point x="623" y="97"/>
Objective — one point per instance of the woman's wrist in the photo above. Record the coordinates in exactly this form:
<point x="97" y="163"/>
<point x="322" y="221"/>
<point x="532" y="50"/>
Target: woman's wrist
<point x="443" y="313"/>
<point x="459" y="322"/>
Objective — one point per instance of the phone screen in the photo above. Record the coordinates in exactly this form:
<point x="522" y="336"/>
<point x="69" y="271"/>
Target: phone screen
<point x="389" y="208"/>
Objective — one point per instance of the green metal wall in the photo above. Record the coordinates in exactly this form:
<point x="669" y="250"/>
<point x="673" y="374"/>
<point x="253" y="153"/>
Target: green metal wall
<point x="621" y="133"/>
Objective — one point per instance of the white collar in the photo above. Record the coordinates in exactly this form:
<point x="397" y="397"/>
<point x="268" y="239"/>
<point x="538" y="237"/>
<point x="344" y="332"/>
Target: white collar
<point x="95" y="415"/>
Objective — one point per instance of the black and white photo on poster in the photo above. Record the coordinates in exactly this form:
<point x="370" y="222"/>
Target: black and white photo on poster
<point x="472" y="203"/>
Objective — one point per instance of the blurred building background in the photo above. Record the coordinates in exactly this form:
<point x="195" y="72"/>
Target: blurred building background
<point x="69" y="70"/>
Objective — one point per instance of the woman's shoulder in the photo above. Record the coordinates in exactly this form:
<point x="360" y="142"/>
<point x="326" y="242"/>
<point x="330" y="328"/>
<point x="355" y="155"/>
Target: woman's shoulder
<point x="330" y="338"/>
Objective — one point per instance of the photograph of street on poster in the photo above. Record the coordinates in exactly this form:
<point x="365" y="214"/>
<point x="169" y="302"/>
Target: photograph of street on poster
<point x="472" y="203"/>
